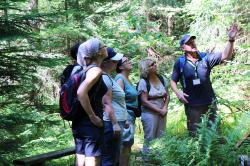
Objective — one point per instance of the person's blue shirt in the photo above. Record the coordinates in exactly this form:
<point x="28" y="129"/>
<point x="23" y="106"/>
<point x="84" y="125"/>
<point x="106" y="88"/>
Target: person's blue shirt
<point x="202" y="93"/>
<point x="131" y="96"/>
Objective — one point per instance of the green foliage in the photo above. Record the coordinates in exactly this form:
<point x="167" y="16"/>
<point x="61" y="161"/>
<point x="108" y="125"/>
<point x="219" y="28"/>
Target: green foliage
<point x="214" y="17"/>
<point x="208" y="148"/>
<point x="35" y="38"/>
<point x="173" y="3"/>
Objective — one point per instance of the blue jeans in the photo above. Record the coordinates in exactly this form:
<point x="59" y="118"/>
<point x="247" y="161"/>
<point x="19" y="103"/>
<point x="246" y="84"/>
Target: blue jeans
<point x="111" y="145"/>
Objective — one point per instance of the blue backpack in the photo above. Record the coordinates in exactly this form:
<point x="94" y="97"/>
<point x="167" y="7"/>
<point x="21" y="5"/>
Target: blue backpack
<point x="182" y="61"/>
<point x="68" y="102"/>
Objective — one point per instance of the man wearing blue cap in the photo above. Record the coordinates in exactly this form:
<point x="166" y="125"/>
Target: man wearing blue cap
<point x="193" y="71"/>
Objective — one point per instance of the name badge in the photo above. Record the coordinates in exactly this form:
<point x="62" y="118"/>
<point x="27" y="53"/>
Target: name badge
<point x="196" y="81"/>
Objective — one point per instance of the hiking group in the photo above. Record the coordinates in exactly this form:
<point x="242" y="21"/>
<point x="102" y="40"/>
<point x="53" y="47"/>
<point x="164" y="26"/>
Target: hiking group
<point x="103" y="108"/>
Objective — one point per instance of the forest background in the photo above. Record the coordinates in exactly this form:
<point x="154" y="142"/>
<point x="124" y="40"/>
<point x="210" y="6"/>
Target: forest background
<point x="35" y="36"/>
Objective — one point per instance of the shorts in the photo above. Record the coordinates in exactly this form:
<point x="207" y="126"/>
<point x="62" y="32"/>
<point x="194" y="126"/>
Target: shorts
<point x="88" y="147"/>
<point x="88" y="137"/>
<point x="128" y="135"/>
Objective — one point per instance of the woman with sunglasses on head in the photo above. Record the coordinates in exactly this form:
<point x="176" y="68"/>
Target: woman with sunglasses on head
<point x="87" y="128"/>
<point x="115" y="112"/>
<point x="154" y="98"/>
<point x="124" y="67"/>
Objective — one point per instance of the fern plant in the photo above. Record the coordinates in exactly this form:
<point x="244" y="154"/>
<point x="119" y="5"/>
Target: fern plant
<point x="207" y="148"/>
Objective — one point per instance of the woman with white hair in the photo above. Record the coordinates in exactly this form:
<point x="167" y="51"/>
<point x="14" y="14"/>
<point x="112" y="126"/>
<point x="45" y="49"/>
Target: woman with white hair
<point x="154" y="98"/>
<point x="87" y="128"/>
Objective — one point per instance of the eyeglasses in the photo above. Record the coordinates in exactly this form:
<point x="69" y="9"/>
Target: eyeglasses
<point x="124" y="61"/>
<point x="152" y="64"/>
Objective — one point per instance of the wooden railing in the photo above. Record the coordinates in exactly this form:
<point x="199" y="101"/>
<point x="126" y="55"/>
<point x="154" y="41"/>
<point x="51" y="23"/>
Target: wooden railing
<point x="39" y="160"/>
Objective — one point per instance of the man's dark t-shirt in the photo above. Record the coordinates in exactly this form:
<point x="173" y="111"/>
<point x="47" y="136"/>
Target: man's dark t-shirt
<point x="201" y="93"/>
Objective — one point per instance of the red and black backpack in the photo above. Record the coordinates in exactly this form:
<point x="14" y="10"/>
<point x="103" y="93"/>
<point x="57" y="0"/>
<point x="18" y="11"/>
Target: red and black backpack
<point x="68" y="102"/>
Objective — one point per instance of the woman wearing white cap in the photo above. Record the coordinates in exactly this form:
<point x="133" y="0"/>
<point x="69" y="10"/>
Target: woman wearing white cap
<point x="87" y="128"/>
<point x="115" y="112"/>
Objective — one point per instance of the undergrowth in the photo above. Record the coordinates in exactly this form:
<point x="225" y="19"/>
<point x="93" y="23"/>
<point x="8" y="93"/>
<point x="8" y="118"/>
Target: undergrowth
<point x="209" y="147"/>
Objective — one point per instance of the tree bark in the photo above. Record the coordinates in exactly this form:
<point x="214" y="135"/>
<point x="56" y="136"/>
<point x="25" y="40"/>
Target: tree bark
<point x="170" y="24"/>
<point x="6" y="13"/>
<point x="66" y="6"/>
<point x="33" y="5"/>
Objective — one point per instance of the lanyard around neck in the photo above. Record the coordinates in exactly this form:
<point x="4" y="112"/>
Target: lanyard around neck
<point x="195" y="66"/>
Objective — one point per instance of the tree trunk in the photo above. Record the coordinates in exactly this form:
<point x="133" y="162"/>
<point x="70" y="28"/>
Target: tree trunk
<point x="146" y="9"/>
<point x="170" y="24"/>
<point x="77" y="14"/>
<point x="6" y="13"/>
<point x="66" y="6"/>
<point x="33" y="5"/>
<point x="6" y="18"/>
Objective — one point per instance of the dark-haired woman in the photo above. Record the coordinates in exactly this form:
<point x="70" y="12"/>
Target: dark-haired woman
<point x="123" y="69"/>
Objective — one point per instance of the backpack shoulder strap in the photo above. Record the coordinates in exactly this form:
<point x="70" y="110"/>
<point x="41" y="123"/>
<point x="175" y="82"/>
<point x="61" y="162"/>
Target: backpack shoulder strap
<point x="161" y="78"/>
<point x="203" y="55"/>
<point x="147" y="84"/>
<point x="182" y="60"/>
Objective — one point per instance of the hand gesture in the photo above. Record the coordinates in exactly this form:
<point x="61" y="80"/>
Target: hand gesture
<point x="116" y="129"/>
<point x="96" y="121"/>
<point x="232" y="32"/>
<point x="164" y="111"/>
<point x="182" y="96"/>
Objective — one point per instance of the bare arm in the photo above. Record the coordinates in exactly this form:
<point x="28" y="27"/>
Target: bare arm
<point x="121" y="83"/>
<point x="146" y="103"/>
<point x="107" y="102"/>
<point x="180" y="95"/>
<point x="173" y="85"/>
<point x="227" y="53"/>
<point x="167" y="98"/>
<point x="92" y="77"/>
<point x="164" y="109"/>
